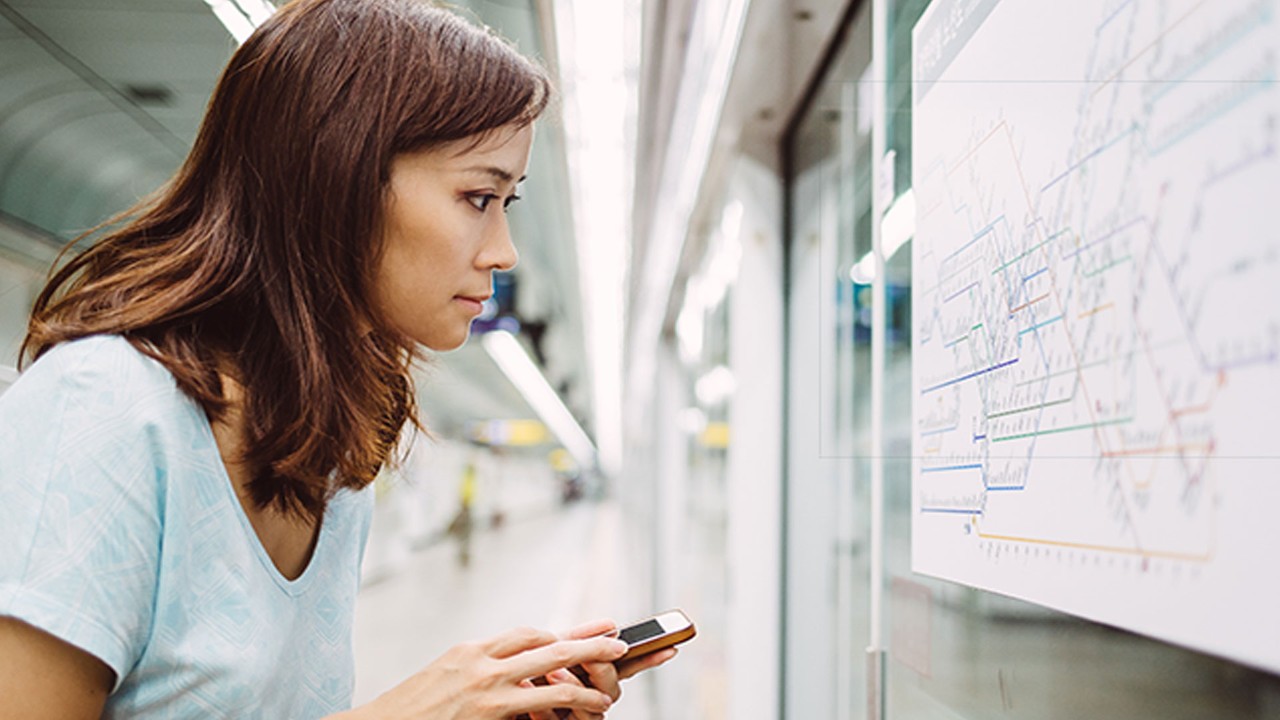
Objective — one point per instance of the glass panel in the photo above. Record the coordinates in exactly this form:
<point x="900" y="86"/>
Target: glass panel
<point x="827" y="536"/>
<point x="957" y="652"/>
<point x="902" y="18"/>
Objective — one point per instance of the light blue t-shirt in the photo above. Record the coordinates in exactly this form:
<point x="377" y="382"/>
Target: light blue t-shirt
<point x="120" y="533"/>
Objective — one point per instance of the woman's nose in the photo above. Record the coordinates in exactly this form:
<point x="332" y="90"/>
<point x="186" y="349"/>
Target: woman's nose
<point x="500" y="252"/>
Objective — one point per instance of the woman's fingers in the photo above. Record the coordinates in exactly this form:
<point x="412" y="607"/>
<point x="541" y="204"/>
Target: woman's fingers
<point x="561" y="677"/>
<point x="541" y="660"/>
<point x="558" y="677"/>
<point x="514" y="642"/>
<point x="631" y="668"/>
<point x="540" y="702"/>
<point x="603" y="677"/>
<point x="545" y="699"/>
<point x="591" y="629"/>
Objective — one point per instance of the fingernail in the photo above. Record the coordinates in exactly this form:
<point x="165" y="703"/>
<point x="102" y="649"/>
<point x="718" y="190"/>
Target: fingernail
<point x="619" y="646"/>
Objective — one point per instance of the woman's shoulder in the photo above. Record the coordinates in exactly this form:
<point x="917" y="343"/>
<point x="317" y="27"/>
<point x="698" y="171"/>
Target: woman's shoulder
<point x="105" y="372"/>
<point x="109" y="360"/>
<point x="102" y="349"/>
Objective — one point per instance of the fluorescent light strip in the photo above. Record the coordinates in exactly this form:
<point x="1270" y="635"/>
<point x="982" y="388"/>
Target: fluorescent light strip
<point x="699" y="103"/>
<point x="241" y="17"/>
<point x="233" y="19"/>
<point x="520" y="369"/>
<point x="597" y="72"/>
<point x="257" y="10"/>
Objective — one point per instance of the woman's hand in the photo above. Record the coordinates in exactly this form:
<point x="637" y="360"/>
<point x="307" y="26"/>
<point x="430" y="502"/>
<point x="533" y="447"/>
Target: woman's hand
<point x="603" y="676"/>
<point x="490" y="680"/>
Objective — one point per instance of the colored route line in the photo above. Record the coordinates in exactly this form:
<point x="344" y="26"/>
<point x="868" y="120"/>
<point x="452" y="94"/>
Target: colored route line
<point x="1055" y="431"/>
<point x="1029" y="408"/>
<point x="1115" y="13"/>
<point x="959" y="269"/>
<point x="1153" y="44"/>
<point x="1095" y="311"/>
<point x="1162" y="554"/>
<point x="1159" y="450"/>
<point x="1028" y="304"/>
<point x="960" y="292"/>
<point x="1204" y="407"/>
<point x="951" y="468"/>
<point x="1104" y="237"/>
<point x="1105" y="146"/>
<point x="1246" y="25"/>
<point x="1028" y="278"/>
<point x="962" y="338"/>
<point x="1266" y="82"/>
<point x="1039" y="325"/>
<point x="938" y="431"/>
<point x="1031" y="249"/>
<point x="980" y="234"/>
<point x="1108" y="266"/>
<point x="1075" y="352"/>
<point x="1173" y="412"/>
<point x="978" y="146"/>
<point x="969" y="376"/>
<point x="1095" y="363"/>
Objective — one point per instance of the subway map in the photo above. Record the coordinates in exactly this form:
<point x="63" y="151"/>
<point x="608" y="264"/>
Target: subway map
<point x="1096" y="311"/>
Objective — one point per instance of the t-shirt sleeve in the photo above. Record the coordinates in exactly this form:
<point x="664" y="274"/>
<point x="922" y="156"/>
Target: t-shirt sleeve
<point x="82" y="512"/>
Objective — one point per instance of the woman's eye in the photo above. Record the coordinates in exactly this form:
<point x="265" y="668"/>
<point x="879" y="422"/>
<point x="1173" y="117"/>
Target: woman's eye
<point x="481" y="202"/>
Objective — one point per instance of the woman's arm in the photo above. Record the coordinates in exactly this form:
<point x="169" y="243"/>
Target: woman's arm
<point x="44" y="677"/>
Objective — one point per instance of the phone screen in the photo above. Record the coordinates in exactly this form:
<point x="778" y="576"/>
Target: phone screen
<point x="640" y="633"/>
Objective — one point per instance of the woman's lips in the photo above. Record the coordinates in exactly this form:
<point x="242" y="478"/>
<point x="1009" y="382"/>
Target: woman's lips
<point x="474" y="304"/>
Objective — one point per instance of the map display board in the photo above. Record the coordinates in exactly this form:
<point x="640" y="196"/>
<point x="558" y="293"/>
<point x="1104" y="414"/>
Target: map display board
<point x="1096" y="311"/>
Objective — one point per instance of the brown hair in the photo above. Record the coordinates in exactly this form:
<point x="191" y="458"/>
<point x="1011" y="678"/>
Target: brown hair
<point x="258" y="257"/>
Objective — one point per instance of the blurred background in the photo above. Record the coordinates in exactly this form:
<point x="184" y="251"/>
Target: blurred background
<point x="671" y="401"/>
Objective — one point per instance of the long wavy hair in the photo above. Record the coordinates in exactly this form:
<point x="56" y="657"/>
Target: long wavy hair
<point x="257" y="259"/>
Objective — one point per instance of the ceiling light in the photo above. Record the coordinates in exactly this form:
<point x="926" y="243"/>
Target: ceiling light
<point x="864" y="271"/>
<point x="241" y="17"/>
<point x="233" y="19"/>
<point x="598" y="61"/>
<point x="257" y="10"/>
<point x="716" y="386"/>
<point x="520" y="369"/>
<point x="899" y="224"/>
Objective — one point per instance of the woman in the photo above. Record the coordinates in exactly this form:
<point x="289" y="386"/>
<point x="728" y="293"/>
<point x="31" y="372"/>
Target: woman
<point x="216" y="382"/>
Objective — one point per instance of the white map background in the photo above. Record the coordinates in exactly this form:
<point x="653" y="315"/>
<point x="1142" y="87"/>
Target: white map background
<point x="1096" y="310"/>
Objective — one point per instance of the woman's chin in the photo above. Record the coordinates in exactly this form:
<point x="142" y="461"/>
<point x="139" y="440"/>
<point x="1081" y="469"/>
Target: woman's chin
<point x="438" y="343"/>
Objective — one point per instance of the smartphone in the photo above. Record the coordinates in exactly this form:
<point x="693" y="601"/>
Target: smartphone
<point x="656" y="633"/>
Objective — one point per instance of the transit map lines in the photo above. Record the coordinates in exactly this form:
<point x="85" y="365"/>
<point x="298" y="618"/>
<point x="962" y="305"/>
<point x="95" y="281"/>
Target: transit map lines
<point x="1096" y="306"/>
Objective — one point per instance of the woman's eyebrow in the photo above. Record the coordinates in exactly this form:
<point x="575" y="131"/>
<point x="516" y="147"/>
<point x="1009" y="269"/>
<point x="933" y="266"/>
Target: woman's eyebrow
<point x="496" y="172"/>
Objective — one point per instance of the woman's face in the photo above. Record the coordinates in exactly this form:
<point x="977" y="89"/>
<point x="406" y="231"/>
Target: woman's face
<point x="446" y="232"/>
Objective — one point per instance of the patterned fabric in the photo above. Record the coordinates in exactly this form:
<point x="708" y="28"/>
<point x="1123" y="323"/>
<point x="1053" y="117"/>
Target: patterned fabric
<point x="120" y="533"/>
